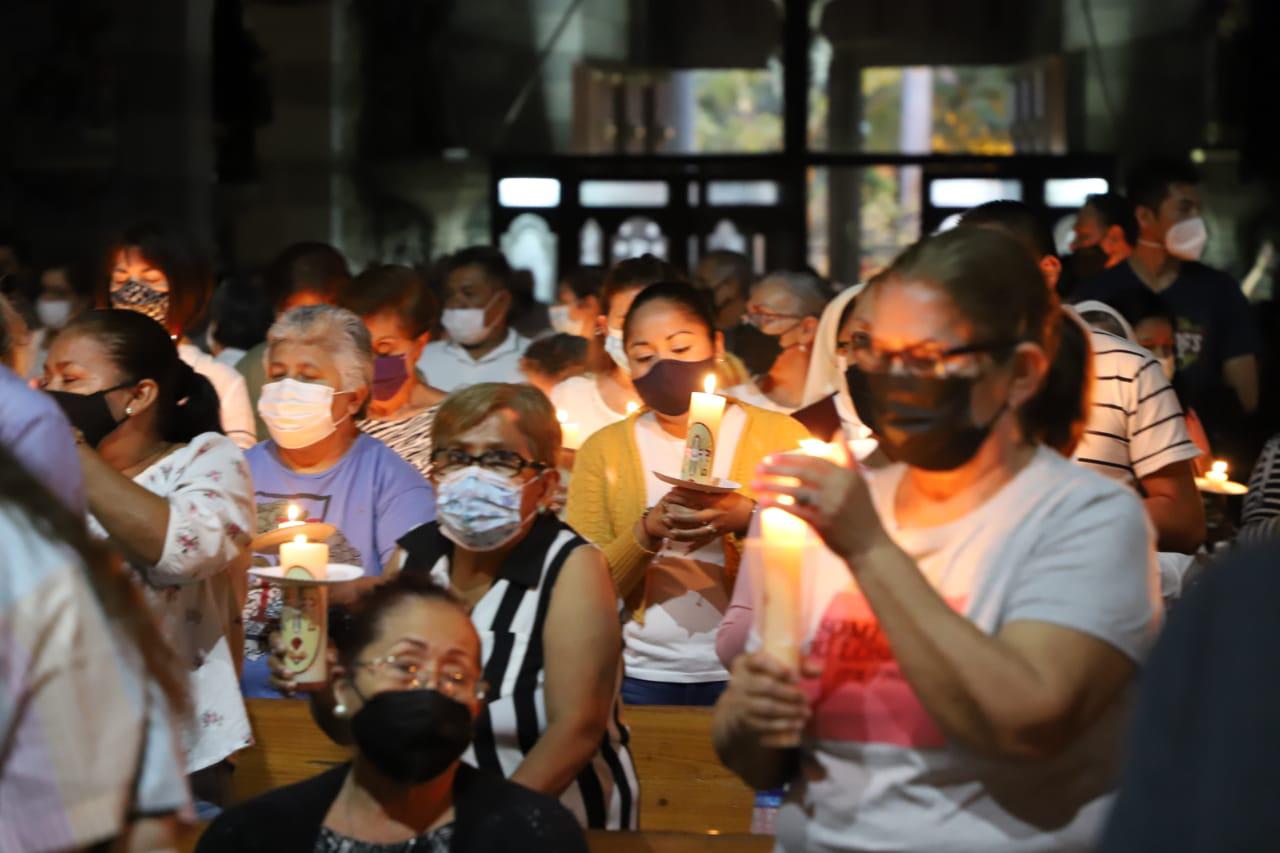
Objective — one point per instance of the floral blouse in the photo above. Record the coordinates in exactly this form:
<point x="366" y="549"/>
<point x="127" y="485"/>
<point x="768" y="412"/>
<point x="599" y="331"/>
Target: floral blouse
<point x="198" y="585"/>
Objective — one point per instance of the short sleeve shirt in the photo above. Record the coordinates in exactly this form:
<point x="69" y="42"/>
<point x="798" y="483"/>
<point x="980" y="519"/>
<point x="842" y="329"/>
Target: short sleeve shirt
<point x="1058" y="544"/>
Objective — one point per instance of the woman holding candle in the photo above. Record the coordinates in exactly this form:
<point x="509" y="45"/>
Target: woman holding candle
<point x="977" y="609"/>
<point x="399" y="311"/>
<point x="319" y="370"/>
<point x="174" y="495"/>
<point x="673" y="551"/>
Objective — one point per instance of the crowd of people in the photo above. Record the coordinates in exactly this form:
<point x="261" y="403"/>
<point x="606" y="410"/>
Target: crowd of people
<point x="1008" y="506"/>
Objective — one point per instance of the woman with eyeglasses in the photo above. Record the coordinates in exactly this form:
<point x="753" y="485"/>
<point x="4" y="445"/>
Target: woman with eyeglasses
<point x="319" y="365"/>
<point x="539" y="595"/>
<point x="409" y="687"/>
<point x="977" y="611"/>
<point x="673" y="551"/>
<point x="784" y="308"/>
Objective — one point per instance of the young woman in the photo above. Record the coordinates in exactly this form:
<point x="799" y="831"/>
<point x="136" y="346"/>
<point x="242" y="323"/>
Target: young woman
<point x="174" y="495"/>
<point x="673" y="552"/>
<point x="156" y="272"/>
<point x="409" y="683"/>
<point x="977" y="609"/>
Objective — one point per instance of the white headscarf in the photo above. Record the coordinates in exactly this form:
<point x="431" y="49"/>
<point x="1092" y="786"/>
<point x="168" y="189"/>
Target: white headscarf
<point x="1081" y="308"/>
<point x="824" y="377"/>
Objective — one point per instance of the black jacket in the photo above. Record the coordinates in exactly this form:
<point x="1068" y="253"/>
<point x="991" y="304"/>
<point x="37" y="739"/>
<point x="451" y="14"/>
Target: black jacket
<point x="492" y="814"/>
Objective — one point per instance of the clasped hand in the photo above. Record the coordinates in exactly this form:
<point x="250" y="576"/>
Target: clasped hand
<point x="834" y="500"/>
<point x="684" y="515"/>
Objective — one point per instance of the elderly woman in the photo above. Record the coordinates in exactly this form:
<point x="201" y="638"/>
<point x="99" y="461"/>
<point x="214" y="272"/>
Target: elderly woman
<point x="784" y="307"/>
<point x="157" y="272"/>
<point x="976" y="611"/>
<point x="173" y="494"/>
<point x="319" y="368"/>
<point x="539" y="595"/>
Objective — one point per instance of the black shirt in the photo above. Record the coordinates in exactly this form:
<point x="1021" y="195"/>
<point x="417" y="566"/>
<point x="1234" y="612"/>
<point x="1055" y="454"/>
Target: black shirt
<point x="1212" y="324"/>
<point x="492" y="815"/>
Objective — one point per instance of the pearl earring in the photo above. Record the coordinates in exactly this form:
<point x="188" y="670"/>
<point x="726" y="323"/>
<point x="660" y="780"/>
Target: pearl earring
<point x="339" y="710"/>
<point x="128" y="411"/>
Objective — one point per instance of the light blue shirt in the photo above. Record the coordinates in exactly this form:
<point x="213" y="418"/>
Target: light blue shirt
<point x="36" y="432"/>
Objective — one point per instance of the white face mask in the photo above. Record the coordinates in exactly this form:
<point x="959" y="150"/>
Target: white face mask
<point x="298" y="414"/>
<point x="480" y="509"/>
<point x="562" y="321"/>
<point x="53" y="313"/>
<point x="1186" y="239"/>
<point x="466" y="325"/>
<point x="617" y="350"/>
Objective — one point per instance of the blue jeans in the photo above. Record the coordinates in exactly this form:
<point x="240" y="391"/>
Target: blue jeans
<point x="637" y="691"/>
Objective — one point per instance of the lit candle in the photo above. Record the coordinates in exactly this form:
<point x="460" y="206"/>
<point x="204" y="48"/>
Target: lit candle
<point x="292" y="519"/>
<point x="1218" y="472"/>
<point x="784" y="539"/>
<point x="822" y="450"/>
<point x="310" y="557"/>
<point x="632" y="407"/>
<point x="570" y="432"/>
<point x="706" y="408"/>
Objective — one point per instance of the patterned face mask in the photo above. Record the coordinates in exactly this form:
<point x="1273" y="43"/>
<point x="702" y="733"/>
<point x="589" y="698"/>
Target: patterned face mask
<point x="480" y="509"/>
<point x="133" y="295"/>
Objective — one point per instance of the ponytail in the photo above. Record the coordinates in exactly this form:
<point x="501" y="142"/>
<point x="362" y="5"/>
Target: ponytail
<point x="195" y="408"/>
<point x="1056" y="415"/>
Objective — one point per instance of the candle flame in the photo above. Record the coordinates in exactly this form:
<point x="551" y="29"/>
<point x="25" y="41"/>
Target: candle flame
<point x="300" y="539"/>
<point x="562" y="416"/>
<point x="1220" y="467"/>
<point x="293" y="512"/>
<point x="632" y="406"/>
<point x="709" y="384"/>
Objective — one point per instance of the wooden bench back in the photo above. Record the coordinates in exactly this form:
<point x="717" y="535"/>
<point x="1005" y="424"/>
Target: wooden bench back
<point x="683" y="786"/>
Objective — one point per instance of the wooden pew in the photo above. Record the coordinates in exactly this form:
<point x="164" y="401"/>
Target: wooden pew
<point x="676" y="842"/>
<point x="683" y="786"/>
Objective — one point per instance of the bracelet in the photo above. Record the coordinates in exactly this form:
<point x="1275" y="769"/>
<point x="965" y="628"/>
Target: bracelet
<point x="636" y="538"/>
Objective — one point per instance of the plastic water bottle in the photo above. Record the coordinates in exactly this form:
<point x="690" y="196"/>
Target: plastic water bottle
<point x="766" y="811"/>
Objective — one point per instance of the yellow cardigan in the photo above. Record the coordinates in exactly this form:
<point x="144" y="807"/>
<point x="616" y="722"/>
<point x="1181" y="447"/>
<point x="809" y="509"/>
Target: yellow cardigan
<point x="607" y="494"/>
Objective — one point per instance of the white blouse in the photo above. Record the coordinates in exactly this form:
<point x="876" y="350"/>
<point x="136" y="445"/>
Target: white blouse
<point x="198" y="585"/>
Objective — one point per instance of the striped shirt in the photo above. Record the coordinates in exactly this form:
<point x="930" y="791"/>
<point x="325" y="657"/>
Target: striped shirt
<point x="1136" y="425"/>
<point x="410" y="437"/>
<point x="510" y="619"/>
<point x="1261" y="519"/>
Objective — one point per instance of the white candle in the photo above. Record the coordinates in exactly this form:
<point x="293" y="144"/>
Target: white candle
<point x="784" y="539"/>
<point x="304" y="627"/>
<point x="822" y="450"/>
<point x="706" y="408"/>
<point x="311" y="557"/>
<point x="292" y="519"/>
<point x="570" y="432"/>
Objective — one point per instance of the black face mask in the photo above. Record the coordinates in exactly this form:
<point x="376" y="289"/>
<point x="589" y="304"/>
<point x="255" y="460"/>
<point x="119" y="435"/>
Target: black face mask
<point x="920" y="420"/>
<point x="411" y="736"/>
<point x="89" y="413"/>
<point x="668" y="384"/>
<point x="1087" y="262"/>
<point x="757" y="349"/>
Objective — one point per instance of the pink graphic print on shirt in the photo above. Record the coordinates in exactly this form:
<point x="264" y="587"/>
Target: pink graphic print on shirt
<point x="862" y="695"/>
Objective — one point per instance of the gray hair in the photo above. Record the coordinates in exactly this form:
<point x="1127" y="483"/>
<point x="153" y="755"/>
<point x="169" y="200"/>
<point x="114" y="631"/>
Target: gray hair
<point x="813" y="292"/>
<point x="341" y="333"/>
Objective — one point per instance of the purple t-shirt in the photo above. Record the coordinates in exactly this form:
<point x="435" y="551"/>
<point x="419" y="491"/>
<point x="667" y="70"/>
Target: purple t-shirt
<point x="372" y="496"/>
<point x="36" y="432"/>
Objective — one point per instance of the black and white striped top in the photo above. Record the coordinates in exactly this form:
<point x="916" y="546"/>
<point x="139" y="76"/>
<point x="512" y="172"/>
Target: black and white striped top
<point x="410" y="437"/>
<point x="510" y="619"/>
<point x="1261" y="519"/>
<point x="1135" y="425"/>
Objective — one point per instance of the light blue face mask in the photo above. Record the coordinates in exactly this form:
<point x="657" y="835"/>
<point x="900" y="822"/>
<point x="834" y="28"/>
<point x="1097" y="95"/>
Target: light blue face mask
<point x="480" y="509"/>
<point x="617" y="350"/>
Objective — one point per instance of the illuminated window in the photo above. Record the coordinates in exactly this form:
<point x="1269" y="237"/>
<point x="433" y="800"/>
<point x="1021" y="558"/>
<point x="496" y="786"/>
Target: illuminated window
<point x="637" y="236"/>
<point x="624" y="194"/>
<point x="971" y="192"/>
<point x="1071" y="192"/>
<point x="742" y="193"/>
<point x="591" y="244"/>
<point x="528" y="192"/>
<point x="529" y="244"/>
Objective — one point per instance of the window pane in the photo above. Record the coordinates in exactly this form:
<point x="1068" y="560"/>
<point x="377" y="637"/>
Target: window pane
<point x="638" y="236"/>
<point x="970" y="192"/>
<point x="730" y="193"/>
<point x="528" y="192"/>
<point x="623" y="194"/>
<point x="1071" y="192"/>
<point x="529" y="244"/>
<point x="886" y="201"/>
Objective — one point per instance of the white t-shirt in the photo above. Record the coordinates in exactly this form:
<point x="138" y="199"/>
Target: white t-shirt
<point x="749" y="392"/>
<point x="233" y="395"/>
<point x="685" y="596"/>
<point x="1057" y="544"/>
<point x="447" y="366"/>
<point x="579" y="397"/>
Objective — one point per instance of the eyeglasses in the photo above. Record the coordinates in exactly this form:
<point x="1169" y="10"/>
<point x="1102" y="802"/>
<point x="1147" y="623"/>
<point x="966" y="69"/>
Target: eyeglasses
<point x="919" y="360"/>
<point x="760" y="318"/>
<point x="408" y="673"/>
<point x="505" y="462"/>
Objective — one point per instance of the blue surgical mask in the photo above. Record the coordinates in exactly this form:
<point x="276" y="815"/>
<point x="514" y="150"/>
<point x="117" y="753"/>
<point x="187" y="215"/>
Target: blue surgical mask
<point x="479" y="509"/>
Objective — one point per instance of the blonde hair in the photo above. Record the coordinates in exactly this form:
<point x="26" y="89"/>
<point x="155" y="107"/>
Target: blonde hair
<point x="465" y="408"/>
<point x="338" y="331"/>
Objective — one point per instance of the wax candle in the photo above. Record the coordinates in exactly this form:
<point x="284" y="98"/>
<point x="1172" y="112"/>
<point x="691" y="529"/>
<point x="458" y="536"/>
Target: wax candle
<point x="570" y="432"/>
<point x="311" y="557"/>
<point x="822" y="450"/>
<point x="292" y="517"/>
<point x="304" y="627"/>
<point x="706" y="408"/>
<point x="783" y="538"/>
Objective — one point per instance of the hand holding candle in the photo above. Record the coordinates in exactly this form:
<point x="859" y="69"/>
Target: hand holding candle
<point x="570" y="432"/>
<point x="706" y="408"/>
